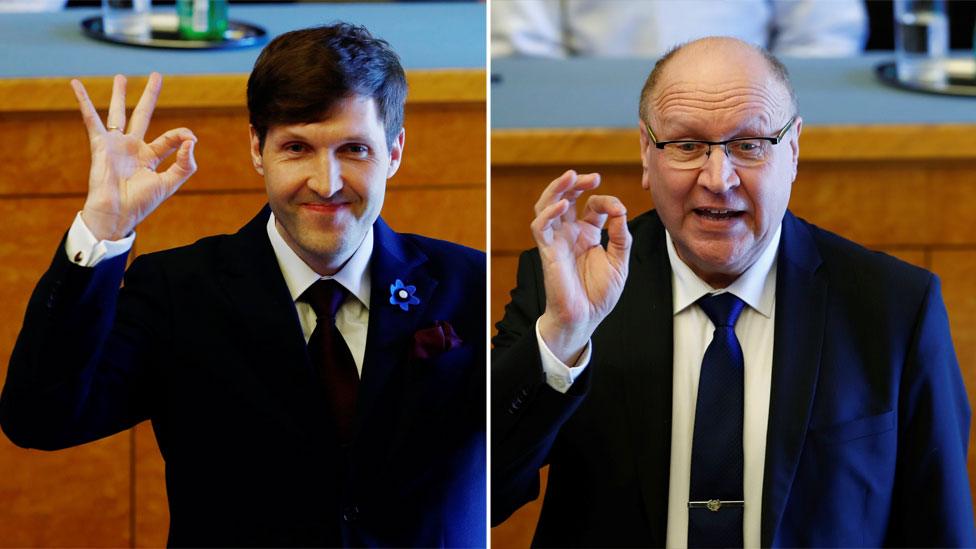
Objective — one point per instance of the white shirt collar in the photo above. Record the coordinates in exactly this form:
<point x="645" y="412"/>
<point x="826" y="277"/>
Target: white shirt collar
<point x="354" y="275"/>
<point x="756" y="286"/>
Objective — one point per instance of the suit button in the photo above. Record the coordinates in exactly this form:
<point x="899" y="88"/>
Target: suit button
<point x="350" y="513"/>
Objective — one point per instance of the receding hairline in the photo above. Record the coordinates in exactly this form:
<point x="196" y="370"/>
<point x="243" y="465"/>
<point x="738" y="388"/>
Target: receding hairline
<point x="774" y="65"/>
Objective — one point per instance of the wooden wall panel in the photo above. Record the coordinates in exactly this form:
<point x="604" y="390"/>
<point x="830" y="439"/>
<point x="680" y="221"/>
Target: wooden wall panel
<point x="445" y="145"/>
<point x="457" y="215"/>
<point x="515" y="191"/>
<point x="187" y="217"/>
<point x="52" y="499"/>
<point x="55" y="499"/>
<point x="48" y="152"/>
<point x="892" y="203"/>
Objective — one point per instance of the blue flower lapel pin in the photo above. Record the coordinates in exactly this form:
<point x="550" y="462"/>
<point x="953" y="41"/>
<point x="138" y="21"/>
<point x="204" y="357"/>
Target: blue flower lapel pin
<point x="403" y="295"/>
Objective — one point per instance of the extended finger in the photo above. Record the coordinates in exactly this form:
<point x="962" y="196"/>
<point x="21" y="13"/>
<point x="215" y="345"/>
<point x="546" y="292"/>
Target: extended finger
<point x="606" y="204"/>
<point x="116" y="109"/>
<point x="88" y="113"/>
<point x="142" y="114"/>
<point x="585" y="182"/>
<point x="543" y="222"/>
<point x="600" y="206"/>
<point x="554" y="190"/>
<point x="165" y="144"/>
<point x="181" y="170"/>
<point x="618" y="245"/>
<point x="569" y="186"/>
<point x="613" y="213"/>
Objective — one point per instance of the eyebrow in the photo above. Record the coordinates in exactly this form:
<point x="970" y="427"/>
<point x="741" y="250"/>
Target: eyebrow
<point x="287" y="134"/>
<point x="746" y="129"/>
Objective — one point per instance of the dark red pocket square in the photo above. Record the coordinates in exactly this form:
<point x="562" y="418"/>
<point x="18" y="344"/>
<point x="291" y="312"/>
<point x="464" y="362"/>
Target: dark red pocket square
<point x="431" y="342"/>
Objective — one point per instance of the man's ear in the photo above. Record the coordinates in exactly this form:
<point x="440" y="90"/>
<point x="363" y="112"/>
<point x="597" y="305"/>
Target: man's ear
<point x="256" y="159"/>
<point x="795" y="143"/>
<point x="644" y="143"/>
<point x="396" y="153"/>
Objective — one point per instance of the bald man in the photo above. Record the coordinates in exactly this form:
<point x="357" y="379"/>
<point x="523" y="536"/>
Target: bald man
<point x="718" y="372"/>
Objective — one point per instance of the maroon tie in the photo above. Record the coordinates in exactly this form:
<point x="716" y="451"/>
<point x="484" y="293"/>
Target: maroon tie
<point x="331" y="356"/>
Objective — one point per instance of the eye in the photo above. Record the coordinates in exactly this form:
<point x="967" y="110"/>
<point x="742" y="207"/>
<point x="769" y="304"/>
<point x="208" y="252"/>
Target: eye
<point x="357" y="150"/>
<point x="749" y="148"/>
<point x="295" y="147"/>
<point x="688" y="149"/>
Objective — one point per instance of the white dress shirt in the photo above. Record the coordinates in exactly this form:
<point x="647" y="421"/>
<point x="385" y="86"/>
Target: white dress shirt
<point x="692" y="333"/>
<point x="352" y="318"/>
<point x="85" y="250"/>
<point x="628" y="28"/>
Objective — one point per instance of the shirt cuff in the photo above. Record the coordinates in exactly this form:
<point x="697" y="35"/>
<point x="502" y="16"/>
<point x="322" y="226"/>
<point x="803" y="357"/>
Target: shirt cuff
<point x="561" y="376"/>
<point x="85" y="250"/>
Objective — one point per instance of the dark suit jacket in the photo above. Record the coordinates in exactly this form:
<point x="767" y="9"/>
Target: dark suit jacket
<point x="868" y="419"/>
<point x="205" y="341"/>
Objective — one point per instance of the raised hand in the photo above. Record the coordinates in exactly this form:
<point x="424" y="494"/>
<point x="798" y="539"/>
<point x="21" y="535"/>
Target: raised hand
<point x="123" y="185"/>
<point x="583" y="280"/>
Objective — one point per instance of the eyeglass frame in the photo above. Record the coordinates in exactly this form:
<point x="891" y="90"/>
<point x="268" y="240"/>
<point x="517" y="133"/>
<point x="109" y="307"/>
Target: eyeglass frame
<point x="775" y="140"/>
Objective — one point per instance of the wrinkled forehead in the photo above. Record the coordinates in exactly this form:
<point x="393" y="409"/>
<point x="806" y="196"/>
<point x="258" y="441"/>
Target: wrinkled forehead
<point x="721" y="90"/>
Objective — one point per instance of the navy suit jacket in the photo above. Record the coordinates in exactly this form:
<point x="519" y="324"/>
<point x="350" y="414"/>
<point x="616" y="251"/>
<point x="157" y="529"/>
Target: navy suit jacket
<point x="868" y="419"/>
<point x="205" y="342"/>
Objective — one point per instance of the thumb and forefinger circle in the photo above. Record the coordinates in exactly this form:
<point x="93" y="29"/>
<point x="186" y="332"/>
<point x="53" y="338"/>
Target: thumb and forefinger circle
<point x="181" y="170"/>
<point x="608" y="210"/>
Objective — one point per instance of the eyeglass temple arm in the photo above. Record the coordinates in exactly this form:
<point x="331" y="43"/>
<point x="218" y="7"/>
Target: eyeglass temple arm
<point x="650" y="134"/>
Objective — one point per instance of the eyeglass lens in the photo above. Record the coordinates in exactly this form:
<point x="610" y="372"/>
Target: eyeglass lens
<point x="694" y="154"/>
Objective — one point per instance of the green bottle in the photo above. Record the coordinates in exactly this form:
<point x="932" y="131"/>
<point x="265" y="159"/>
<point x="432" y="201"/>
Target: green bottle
<point x="202" y="19"/>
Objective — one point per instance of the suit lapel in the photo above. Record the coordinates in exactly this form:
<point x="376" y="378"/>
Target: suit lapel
<point x="648" y="296"/>
<point x="386" y="345"/>
<point x="255" y="291"/>
<point x="801" y="297"/>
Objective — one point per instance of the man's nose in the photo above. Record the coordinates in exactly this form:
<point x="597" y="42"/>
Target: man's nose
<point x="326" y="179"/>
<point x="718" y="174"/>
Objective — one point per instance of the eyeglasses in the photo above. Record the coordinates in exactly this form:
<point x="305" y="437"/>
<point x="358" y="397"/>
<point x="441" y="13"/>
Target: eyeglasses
<point x="746" y="152"/>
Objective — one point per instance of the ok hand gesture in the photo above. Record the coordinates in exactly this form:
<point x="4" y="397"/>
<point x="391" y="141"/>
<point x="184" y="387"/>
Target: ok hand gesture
<point x="583" y="280"/>
<point x="123" y="185"/>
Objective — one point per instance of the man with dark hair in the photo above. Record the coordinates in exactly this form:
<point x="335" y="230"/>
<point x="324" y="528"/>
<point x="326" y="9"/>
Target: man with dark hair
<point x="315" y="379"/>
<point x="720" y="373"/>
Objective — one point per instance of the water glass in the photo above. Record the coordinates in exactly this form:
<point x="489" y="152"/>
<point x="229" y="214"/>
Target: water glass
<point x="921" y="41"/>
<point x="126" y="17"/>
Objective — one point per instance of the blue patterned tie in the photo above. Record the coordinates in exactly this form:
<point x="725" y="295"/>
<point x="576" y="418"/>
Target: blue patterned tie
<point x="715" y="498"/>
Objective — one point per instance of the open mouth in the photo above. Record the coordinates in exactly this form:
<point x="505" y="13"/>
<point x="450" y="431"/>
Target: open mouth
<point x="716" y="214"/>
